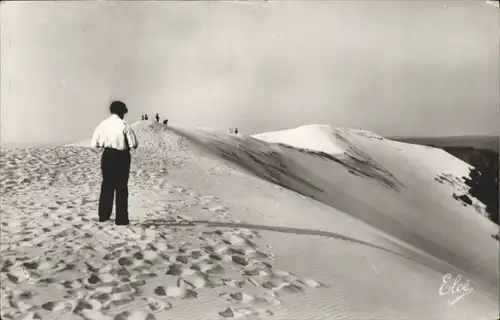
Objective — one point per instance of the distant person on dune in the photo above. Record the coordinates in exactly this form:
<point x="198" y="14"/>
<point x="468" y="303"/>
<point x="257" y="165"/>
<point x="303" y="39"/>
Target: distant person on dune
<point x="235" y="130"/>
<point x="165" y="122"/>
<point x="142" y="117"/>
<point x="146" y="117"/>
<point x="157" y="118"/>
<point x="116" y="137"/>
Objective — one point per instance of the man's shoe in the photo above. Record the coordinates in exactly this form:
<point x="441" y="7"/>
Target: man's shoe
<point x="103" y="220"/>
<point x="126" y="223"/>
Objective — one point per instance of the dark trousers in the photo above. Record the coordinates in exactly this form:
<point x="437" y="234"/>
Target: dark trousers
<point x="115" y="166"/>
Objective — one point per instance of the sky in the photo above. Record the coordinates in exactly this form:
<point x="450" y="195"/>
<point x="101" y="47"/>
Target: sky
<point x="397" y="68"/>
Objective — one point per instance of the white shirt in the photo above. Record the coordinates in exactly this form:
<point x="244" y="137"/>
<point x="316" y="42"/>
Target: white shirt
<point x="114" y="133"/>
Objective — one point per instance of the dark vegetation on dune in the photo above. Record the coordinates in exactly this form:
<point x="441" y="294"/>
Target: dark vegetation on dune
<point x="464" y="198"/>
<point x="483" y="177"/>
<point x="483" y="183"/>
<point x="482" y="154"/>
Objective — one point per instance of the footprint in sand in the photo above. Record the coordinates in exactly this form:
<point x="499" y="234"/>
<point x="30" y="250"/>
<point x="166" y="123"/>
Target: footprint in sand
<point x="311" y="283"/>
<point x="53" y="306"/>
<point x="208" y="198"/>
<point x="179" y="292"/>
<point x="12" y="278"/>
<point x="32" y="316"/>
<point x="119" y="300"/>
<point x="216" y="209"/>
<point x="113" y="255"/>
<point x="289" y="288"/>
<point x="85" y="305"/>
<point x="157" y="305"/>
<point x="134" y="315"/>
<point x="195" y="281"/>
<point x="240" y="297"/>
<point x="125" y="261"/>
<point x="283" y="275"/>
<point x="97" y="266"/>
<point x="245" y="312"/>
<point x="16" y="303"/>
<point x="251" y="300"/>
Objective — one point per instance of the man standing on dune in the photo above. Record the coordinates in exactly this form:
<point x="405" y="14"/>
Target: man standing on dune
<point x="116" y="137"/>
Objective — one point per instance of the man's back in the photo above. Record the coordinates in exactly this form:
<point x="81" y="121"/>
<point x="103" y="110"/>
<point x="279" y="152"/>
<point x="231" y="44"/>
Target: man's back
<point x="116" y="137"/>
<point x="114" y="133"/>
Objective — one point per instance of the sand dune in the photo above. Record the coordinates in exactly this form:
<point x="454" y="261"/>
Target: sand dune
<point x="348" y="226"/>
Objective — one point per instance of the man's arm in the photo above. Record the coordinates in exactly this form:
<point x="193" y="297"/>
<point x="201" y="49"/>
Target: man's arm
<point x="94" y="143"/>
<point x="131" y="138"/>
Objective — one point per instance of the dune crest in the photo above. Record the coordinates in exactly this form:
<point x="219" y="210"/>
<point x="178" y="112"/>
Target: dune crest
<point x="314" y="137"/>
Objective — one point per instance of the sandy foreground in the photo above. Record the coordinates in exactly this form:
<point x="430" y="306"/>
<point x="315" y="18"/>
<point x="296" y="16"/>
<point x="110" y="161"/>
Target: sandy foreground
<point x="369" y="236"/>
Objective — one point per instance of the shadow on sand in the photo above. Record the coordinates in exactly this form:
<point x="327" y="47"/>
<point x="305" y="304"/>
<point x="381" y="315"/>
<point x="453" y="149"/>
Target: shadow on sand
<point x="413" y="256"/>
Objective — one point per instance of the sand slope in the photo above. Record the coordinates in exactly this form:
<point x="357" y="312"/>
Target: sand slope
<point x="209" y="241"/>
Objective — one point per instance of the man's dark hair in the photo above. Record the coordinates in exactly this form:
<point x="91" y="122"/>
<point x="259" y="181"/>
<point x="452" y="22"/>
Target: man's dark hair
<point x="119" y="108"/>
